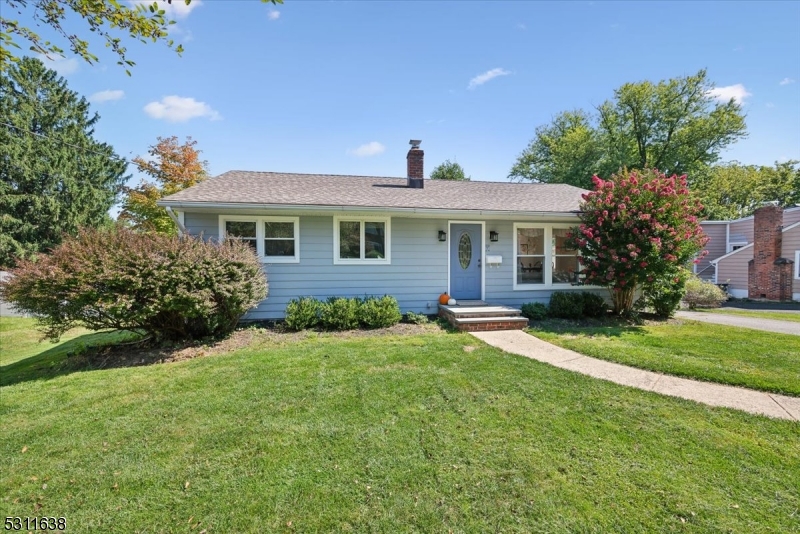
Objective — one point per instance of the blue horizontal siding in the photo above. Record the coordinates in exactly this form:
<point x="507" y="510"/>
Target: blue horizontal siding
<point x="416" y="276"/>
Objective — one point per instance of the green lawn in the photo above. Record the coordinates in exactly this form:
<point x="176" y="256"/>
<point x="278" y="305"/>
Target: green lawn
<point x="794" y="317"/>
<point x="23" y="354"/>
<point x="716" y="353"/>
<point x="424" y="433"/>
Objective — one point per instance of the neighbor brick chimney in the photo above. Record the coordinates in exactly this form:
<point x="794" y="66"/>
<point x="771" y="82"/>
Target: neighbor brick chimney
<point x="769" y="275"/>
<point x="415" y="161"/>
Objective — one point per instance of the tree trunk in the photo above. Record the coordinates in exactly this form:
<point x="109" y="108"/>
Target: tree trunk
<point x="623" y="299"/>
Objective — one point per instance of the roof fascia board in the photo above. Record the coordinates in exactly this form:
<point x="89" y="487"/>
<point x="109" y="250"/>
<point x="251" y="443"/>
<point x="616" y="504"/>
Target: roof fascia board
<point x="301" y="207"/>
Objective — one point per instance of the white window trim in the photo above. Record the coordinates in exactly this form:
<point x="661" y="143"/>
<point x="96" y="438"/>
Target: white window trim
<point x="797" y="264"/>
<point x="362" y="260"/>
<point x="548" y="258"/>
<point x="739" y="244"/>
<point x="260" y="235"/>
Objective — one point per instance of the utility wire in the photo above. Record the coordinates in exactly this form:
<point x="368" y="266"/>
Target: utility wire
<point x="112" y="156"/>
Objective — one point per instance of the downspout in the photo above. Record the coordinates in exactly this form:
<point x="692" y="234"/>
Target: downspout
<point x="181" y="227"/>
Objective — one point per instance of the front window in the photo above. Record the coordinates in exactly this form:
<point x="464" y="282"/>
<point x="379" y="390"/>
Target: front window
<point x="242" y="231"/>
<point x="543" y="258"/>
<point x="530" y="256"/>
<point x="275" y="239"/>
<point x="361" y="240"/>
<point x="565" y="258"/>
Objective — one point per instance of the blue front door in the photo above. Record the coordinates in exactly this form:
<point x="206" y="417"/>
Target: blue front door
<point x="465" y="261"/>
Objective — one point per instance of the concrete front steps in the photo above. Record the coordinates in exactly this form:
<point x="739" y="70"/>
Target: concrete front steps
<point x="477" y="316"/>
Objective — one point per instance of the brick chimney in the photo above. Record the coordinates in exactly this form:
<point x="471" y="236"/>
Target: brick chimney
<point x="415" y="161"/>
<point x="769" y="275"/>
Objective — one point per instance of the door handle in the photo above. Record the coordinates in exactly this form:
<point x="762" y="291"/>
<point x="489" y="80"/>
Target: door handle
<point x="479" y="263"/>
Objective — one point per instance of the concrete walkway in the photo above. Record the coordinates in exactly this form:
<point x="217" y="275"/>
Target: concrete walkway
<point x="756" y="402"/>
<point x="769" y="325"/>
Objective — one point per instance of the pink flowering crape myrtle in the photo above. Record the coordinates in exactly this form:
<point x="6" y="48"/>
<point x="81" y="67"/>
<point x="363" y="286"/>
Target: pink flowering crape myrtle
<point x="638" y="228"/>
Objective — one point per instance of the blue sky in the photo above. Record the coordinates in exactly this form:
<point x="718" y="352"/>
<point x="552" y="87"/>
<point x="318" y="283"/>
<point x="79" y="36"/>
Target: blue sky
<point x="340" y="87"/>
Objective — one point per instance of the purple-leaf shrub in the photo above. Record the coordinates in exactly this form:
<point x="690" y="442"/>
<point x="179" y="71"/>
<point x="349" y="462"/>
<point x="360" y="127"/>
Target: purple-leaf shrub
<point x="160" y="285"/>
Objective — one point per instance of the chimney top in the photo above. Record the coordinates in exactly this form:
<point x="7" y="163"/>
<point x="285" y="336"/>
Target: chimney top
<point x="415" y="143"/>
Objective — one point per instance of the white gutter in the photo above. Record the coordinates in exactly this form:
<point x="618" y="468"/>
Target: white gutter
<point x="178" y="223"/>
<point x="313" y="207"/>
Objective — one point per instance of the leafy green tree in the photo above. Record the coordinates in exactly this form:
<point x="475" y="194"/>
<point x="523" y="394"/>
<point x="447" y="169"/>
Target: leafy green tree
<point x="109" y="19"/>
<point x="637" y="229"/>
<point x="566" y="151"/>
<point x="674" y="125"/>
<point x="733" y="190"/>
<point x="449" y="170"/>
<point x="174" y="168"/>
<point x="54" y="175"/>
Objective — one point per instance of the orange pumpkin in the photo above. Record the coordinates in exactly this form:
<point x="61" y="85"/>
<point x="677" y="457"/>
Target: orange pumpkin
<point x="444" y="298"/>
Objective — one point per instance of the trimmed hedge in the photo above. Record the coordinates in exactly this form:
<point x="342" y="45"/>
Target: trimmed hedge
<point x="535" y="311"/>
<point x="342" y="313"/>
<point x="566" y="305"/>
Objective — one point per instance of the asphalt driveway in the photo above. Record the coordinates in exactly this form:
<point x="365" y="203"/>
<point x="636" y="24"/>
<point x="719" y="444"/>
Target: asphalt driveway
<point x="769" y="325"/>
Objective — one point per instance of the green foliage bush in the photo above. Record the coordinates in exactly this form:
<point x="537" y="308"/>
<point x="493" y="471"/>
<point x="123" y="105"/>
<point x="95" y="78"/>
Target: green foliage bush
<point x="303" y="313"/>
<point x="417" y="318"/>
<point x="379" y="312"/>
<point x="566" y="305"/>
<point x="703" y="294"/>
<point x="340" y="313"/>
<point x="594" y="305"/>
<point x="535" y="311"/>
<point x="167" y="287"/>
<point x="664" y="295"/>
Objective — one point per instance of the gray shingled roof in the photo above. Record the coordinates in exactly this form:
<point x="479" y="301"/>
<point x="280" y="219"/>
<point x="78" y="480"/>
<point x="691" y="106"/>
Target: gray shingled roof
<point x="276" y="188"/>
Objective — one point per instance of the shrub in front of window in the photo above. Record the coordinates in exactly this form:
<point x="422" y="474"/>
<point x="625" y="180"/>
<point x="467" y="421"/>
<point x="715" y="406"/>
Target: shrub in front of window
<point x="339" y="313"/>
<point x="566" y="305"/>
<point x="535" y="311"/>
<point x="303" y="313"/>
<point x="379" y="312"/>
<point x="594" y="305"/>
<point x="163" y="286"/>
<point x="637" y="229"/>
<point x="703" y="294"/>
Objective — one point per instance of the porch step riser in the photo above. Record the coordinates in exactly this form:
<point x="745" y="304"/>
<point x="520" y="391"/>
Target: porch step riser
<point x="483" y="327"/>
<point x="476" y="315"/>
<point x="477" y="321"/>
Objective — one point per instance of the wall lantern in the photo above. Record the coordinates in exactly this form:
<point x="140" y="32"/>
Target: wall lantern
<point x="493" y="236"/>
<point x="442" y="235"/>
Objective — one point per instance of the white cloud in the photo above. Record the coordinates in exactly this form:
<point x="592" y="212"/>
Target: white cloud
<point x="174" y="11"/>
<point x="370" y="149"/>
<point x="522" y="26"/>
<point x="274" y="15"/>
<point x="724" y="94"/>
<point x="481" y="79"/>
<point x="786" y="81"/>
<point x="61" y="65"/>
<point x="107" y="96"/>
<point x="180" y="109"/>
<point x="770" y="105"/>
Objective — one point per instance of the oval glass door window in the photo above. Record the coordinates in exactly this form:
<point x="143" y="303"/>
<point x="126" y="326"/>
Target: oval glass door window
<point x="464" y="250"/>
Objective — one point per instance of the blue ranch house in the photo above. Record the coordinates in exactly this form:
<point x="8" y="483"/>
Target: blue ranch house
<point x="328" y="235"/>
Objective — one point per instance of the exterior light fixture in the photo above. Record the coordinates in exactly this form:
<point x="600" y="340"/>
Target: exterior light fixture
<point x="442" y="235"/>
<point x="493" y="236"/>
